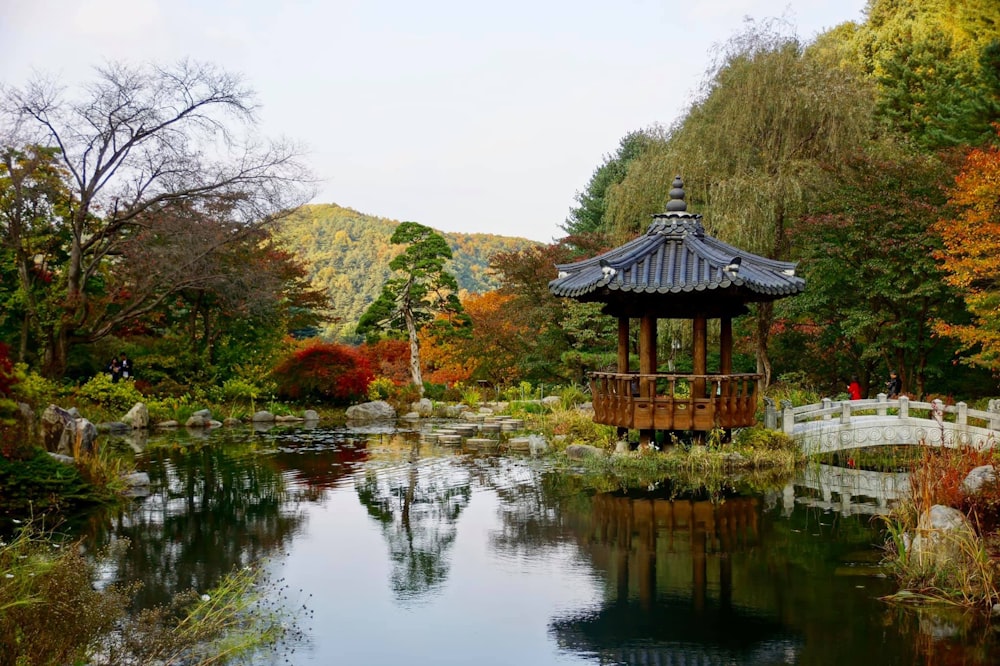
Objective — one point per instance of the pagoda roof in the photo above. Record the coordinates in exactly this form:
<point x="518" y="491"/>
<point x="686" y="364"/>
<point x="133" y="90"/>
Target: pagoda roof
<point x="678" y="267"/>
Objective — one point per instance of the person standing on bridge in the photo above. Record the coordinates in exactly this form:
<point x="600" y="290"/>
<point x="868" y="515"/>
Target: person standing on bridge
<point x="894" y="386"/>
<point x="854" y="388"/>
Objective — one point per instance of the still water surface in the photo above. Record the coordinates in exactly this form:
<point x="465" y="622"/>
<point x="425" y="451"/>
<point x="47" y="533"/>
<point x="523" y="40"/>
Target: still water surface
<point x="397" y="552"/>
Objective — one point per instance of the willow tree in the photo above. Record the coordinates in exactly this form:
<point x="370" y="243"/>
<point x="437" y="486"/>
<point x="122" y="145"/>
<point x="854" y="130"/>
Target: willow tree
<point x="419" y="291"/>
<point x="752" y="148"/>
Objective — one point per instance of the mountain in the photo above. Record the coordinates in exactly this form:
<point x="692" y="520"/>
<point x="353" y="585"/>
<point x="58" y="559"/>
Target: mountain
<point x="347" y="254"/>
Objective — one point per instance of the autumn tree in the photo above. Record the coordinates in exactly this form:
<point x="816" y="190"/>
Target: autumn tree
<point x="970" y="256"/>
<point x="874" y="288"/>
<point x="134" y="146"/>
<point x="34" y="201"/>
<point x="420" y="290"/>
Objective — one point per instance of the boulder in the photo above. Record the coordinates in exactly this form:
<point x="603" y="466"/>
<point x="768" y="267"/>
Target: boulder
<point x="943" y="538"/>
<point x="984" y="475"/>
<point x="368" y="412"/>
<point x="551" y="401"/>
<point x="423" y="407"/>
<point x="231" y="421"/>
<point x="137" y="417"/>
<point x="263" y="416"/>
<point x="310" y="415"/>
<point x="581" y="451"/>
<point x="197" y="420"/>
<point x="168" y="424"/>
<point x="65" y="434"/>
<point x="204" y="413"/>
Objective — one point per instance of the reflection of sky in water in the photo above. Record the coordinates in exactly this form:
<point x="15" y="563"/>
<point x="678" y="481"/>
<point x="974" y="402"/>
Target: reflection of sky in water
<point x="416" y="555"/>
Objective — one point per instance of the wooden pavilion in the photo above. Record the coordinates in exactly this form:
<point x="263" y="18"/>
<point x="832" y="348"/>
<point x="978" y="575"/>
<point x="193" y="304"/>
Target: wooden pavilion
<point x="675" y="271"/>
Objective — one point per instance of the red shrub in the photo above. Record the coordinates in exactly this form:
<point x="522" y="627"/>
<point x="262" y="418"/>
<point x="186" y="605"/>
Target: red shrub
<point x="7" y="378"/>
<point x="389" y="358"/>
<point x="321" y="370"/>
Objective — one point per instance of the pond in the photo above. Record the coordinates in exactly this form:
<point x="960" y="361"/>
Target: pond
<point x="392" y="551"/>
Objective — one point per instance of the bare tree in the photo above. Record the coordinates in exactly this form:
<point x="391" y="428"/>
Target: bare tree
<point x="137" y="144"/>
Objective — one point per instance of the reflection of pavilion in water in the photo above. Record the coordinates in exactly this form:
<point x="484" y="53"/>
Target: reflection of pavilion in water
<point x="670" y="570"/>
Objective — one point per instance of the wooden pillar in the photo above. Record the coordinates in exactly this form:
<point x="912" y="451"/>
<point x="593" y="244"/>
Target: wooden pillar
<point x="647" y="366"/>
<point x="726" y="346"/>
<point x="623" y="344"/>
<point x="700" y="354"/>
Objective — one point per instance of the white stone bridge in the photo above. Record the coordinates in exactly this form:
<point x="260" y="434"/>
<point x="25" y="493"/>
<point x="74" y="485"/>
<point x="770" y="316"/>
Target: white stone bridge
<point x="832" y="426"/>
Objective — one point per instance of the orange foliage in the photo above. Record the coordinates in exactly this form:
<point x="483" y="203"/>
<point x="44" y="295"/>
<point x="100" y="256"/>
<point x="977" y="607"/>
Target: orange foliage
<point x="389" y="358"/>
<point x="971" y="254"/>
<point x="937" y="479"/>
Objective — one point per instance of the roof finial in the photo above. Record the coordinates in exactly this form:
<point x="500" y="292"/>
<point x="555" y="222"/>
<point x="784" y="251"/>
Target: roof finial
<point x="677" y="203"/>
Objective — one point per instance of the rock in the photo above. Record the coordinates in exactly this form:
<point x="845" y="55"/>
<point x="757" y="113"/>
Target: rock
<point x="214" y="424"/>
<point x="585" y="407"/>
<point x="368" y="412"/>
<point x="65" y="434"/>
<point x="75" y="413"/>
<point x="581" y="451"/>
<point x="231" y="421"/>
<point x="411" y="416"/>
<point x="943" y="537"/>
<point x="136" y="479"/>
<point x="263" y="416"/>
<point x="455" y="411"/>
<point x="734" y="458"/>
<point x="54" y="422"/>
<point x="537" y="444"/>
<point x="138" y="416"/>
<point x="984" y="475"/>
<point x="310" y="415"/>
<point x="551" y="401"/>
<point x="204" y="413"/>
<point x="114" y="427"/>
<point x="196" y="420"/>
<point x="423" y="407"/>
<point x="168" y="424"/>
<point x="61" y="458"/>
<point x="621" y="446"/>
<point x="482" y="410"/>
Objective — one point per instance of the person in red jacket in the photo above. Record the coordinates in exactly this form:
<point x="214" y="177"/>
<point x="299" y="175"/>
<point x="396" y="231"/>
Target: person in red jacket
<point x="854" y="389"/>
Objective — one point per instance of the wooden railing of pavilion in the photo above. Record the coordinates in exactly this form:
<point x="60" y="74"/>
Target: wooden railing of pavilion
<point x="674" y="402"/>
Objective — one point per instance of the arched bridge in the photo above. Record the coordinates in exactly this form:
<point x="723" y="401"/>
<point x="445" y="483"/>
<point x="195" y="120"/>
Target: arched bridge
<point x="831" y="425"/>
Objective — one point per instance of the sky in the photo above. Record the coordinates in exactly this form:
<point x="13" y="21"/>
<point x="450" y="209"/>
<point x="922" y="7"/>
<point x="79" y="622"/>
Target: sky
<point x="464" y="116"/>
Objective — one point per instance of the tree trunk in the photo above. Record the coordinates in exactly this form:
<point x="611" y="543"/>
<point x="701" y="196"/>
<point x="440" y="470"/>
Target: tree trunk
<point x="411" y="329"/>
<point x="764" y="318"/>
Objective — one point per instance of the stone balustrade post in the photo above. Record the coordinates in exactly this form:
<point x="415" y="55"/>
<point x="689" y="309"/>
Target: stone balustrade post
<point x="904" y="407"/>
<point x="963" y="414"/>
<point x="937" y="411"/>
<point x="788" y="417"/>
<point x="882" y="406"/>
<point x="770" y="414"/>
<point x="845" y="413"/>
<point x="994" y="409"/>
<point x="827" y="404"/>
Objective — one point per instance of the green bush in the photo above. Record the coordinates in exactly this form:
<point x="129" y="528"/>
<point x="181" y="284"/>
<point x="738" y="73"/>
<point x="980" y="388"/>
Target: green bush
<point x="115" y="397"/>
<point x="764" y="439"/>
<point x="381" y="388"/>
<point x="571" y="396"/>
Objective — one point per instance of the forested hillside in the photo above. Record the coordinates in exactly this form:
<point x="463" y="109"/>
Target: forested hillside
<point x="348" y="253"/>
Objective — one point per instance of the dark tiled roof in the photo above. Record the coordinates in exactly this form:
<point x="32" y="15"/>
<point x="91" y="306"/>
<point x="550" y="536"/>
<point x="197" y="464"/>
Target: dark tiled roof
<point x="675" y="256"/>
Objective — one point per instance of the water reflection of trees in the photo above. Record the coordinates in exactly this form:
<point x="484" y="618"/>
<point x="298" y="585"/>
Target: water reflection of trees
<point x="210" y="509"/>
<point x="417" y="503"/>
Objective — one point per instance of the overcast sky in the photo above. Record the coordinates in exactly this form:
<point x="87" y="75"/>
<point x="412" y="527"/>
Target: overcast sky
<point x="461" y="115"/>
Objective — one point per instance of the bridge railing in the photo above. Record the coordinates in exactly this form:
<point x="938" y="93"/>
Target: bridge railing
<point x="785" y="417"/>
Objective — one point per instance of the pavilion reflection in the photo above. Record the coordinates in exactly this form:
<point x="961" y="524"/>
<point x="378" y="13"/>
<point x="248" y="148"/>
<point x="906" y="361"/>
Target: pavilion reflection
<point x="673" y="596"/>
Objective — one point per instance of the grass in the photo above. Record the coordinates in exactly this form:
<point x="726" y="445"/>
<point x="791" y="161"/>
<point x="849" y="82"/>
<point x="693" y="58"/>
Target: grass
<point x="968" y="574"/>
<point x="50" y="613"/>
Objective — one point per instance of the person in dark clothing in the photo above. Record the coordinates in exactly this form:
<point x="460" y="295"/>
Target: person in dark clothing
<point x="115" y="368"/>
<point x="894" y="386"/>
<point x="126" y="366"/>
